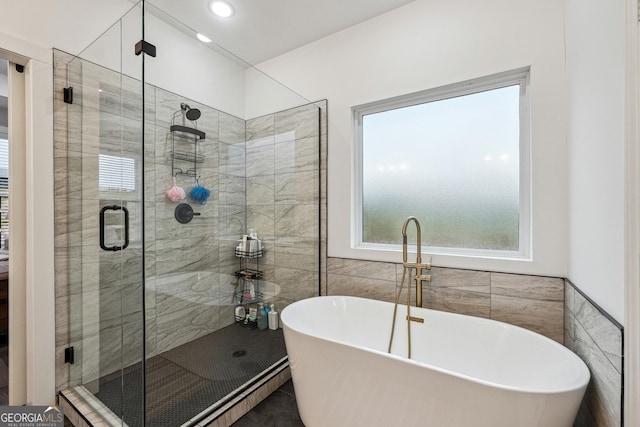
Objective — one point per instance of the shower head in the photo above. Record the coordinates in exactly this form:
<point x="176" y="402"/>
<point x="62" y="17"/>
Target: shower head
<point x="192" y="114"/>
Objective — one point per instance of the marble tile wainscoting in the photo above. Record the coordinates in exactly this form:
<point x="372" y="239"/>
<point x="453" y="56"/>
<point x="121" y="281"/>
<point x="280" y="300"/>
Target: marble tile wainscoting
<point x="598" y="339"/>
<point x="532" y="302"/>
<point x="548" y="305"/>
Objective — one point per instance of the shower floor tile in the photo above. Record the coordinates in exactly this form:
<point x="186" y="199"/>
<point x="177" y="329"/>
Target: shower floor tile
<point x="188" y="379"/>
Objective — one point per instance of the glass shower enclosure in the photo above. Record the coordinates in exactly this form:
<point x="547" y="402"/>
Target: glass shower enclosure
<point x="165" y="159"/>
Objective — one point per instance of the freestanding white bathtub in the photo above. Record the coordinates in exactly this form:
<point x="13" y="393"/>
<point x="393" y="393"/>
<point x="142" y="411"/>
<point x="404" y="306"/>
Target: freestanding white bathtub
<point x="464" y="371"/>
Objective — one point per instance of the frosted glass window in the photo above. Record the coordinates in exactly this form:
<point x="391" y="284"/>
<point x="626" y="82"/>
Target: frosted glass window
<point x="453" y="162"/>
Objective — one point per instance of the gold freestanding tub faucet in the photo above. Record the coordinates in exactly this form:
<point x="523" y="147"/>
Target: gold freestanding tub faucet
<point x="418" y="265"/>
<point x="420" y="277"/>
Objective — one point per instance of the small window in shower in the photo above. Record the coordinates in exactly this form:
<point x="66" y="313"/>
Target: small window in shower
<point x="117" y="184"/>
<point x="116" y="174"/>
<point x="456" y="158"/>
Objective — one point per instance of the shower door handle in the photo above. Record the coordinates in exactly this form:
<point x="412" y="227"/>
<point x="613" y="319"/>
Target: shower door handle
<point x="126" y="227"/>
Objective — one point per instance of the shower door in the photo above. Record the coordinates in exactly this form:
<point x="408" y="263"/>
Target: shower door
<point x="104" y="236"/>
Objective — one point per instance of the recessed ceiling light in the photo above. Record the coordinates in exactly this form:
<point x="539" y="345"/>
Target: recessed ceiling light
<point x="203" y="38"/>
<point x="221" y="8"/>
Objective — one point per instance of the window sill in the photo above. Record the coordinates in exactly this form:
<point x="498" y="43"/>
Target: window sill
<point x="483" y="262"/>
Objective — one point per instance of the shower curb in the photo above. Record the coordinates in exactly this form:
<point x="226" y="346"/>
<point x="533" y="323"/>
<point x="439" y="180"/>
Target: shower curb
<point x="83" y="409"/>
<point x="245" y="401"/>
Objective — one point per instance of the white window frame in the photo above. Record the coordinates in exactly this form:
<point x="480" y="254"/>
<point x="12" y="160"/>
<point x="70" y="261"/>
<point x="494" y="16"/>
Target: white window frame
<point x="520" y="77"/>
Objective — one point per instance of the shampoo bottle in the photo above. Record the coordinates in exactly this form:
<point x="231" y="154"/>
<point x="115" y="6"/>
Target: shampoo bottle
<point x="263" y="322"/>
<point x="273" y="318"/>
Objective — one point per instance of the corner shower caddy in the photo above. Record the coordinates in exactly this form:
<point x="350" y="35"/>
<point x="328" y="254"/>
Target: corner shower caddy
<point x="246" y="277"/>
<point x="190" y="135"/>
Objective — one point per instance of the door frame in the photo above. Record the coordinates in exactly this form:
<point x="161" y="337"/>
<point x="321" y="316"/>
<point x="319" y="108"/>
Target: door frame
<point x="632" y="217"/>
<point x="32" y="359"/>
<point x="17" y="250"/>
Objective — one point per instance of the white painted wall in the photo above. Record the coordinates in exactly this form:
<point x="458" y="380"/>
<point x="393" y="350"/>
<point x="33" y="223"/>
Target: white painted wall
<point x="595" y="38"/>
<point x="264" y="95"/>
<point x="183" y="64"/>
<point x="431" y="43"/>
<point x="186" y="66"/>
<point x="69" y="25"/>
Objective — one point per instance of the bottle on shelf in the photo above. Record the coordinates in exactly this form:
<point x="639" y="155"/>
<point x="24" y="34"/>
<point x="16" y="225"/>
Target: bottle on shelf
<point x="263" y="321"/>
<point x="273" y="318"/>
<point x="240" y="313"/>
<point x="253" y="314"/>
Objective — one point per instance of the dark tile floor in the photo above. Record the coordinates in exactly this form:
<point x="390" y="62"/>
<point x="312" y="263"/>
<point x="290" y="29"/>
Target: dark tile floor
<point x="277" y="410"/>
<point x="187" y="379"/>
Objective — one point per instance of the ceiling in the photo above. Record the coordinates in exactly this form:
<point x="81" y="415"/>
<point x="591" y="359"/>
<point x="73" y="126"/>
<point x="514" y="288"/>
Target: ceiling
<point x="263" y="29"/>
<point x="259" y="30"/>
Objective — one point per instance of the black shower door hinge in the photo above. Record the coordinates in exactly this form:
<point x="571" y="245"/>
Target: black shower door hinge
<point x="68" y="94"/>
<point x="146" y="47"/>
<point x="68" y="355"/>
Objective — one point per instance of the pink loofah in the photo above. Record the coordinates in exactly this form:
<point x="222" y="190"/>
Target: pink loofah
<point x="175" y="193"/>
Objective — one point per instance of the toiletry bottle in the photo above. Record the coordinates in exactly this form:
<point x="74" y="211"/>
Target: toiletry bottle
<point x="273" y="318"/>
<point x="252" y="314"/>
<point x="263" y="321"/>
<point x="240" y="313"/>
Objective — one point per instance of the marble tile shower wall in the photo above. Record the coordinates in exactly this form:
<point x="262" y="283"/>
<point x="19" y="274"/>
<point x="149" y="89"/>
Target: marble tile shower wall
<point x="283" y="198"/>
<point x="190" y="289"/>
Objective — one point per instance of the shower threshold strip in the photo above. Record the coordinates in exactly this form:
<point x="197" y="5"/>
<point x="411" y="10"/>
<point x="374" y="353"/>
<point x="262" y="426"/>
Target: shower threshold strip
<point x="237" y="403"/>
<point x="84" y="409"/>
